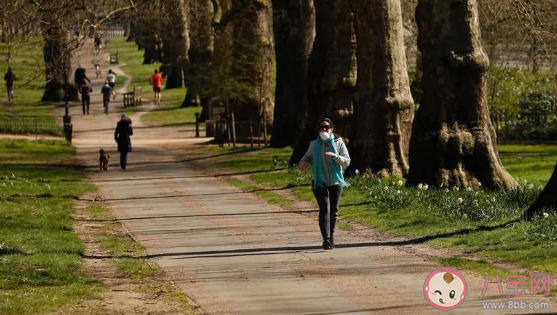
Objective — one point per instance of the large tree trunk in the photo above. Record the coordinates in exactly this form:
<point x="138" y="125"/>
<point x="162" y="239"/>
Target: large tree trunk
<point x="331" y="72"/>
<point x="383" y="106"/>
<point x="546" y="201"/>
<point x="200" y="52"/>
<point x="175" y="42"/>
<point x="57" y="59"/>
<point x="453" y="141"/>
<point x="294" y="30"/>
<point x="150" y="52"/>
<point x="253" y="59"/>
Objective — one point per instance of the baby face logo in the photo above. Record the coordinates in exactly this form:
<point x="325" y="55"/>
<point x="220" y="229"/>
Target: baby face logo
<point x="445" y="289"/>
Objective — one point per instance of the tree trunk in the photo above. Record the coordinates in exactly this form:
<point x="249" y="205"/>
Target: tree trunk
<point x="150" y="46"/>
<point x="200" y="51"/>
<point x="294" y="31"/>
<point x="175" y="43"/>
<point x="383" y="106"/>
<point x="331" y="72"/>
<point x="546" y="201"/>
<point x="58" y="65"/>
<point x="253" y="59"/>
<point x="453" y="141"/>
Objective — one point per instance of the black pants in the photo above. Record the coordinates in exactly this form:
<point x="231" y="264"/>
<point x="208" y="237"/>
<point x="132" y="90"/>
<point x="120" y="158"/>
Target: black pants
<point x="106" y="100"/>
<point x="328" y="200"/>
<point x="123" y="159"/>
<point x="85" y="102"/>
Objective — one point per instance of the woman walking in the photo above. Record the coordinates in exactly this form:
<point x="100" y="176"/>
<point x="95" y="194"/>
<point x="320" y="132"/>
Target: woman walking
<point x="328" y="156"/>
<point x="122" y="136"/>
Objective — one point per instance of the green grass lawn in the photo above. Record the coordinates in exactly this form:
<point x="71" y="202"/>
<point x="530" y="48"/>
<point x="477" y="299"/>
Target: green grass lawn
<point x="170" y="113"/>
<point x="27" y="63"/>
<point x="40" y="256"/>
<point x="419" y="213"/>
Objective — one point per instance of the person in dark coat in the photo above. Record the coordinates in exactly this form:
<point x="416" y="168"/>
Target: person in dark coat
<point x="122" y="136"/>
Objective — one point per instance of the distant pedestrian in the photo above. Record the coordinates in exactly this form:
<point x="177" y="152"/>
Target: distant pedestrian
<point x="106" y="91"/>
<point x="112" y="81"/>
<point x="122" y="136"/>
<point x="156" y="81"/>
<point x="98" y="72"/>
<point x="85" y="90"/>
<point x="328" y="156"/>
<point x="10" y="77"/>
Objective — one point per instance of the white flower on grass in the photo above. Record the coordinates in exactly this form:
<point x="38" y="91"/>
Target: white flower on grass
<point x="469" y="189"/>
<point x="531" y="186"/>
<point x="456" y="188"/>
<point x="493" y="199"/>
<point x="545" y="215"/>
<point x="400" y="183"/>
<point x="479" y="184"/>
<point x="420" y="186"/>
<point x="459" y="200"/>
<point x="464" y="216"/>
<point x="426" y="186"/>
<point x="357" y="171"/>
<point x="398" y="191"/>
<point x="525" y="182"/>
<point x="386" y="187"/>
<point x="446" y="190"/>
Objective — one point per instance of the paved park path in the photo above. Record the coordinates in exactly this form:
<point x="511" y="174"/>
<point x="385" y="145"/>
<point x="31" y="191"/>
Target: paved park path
<point x="234" y="254"/>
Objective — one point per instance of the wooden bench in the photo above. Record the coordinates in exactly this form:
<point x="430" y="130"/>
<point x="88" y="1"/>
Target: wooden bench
<point x="114" y="58"/>
<point x="137" y="95"/>
<point x="133" y="98"/>
<point x="128" y="99"/>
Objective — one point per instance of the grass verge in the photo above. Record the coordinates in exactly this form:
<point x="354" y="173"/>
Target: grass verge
<point x="28" y="64"/>
<point x="40" y="255"/>
<point x="479" y="222"/>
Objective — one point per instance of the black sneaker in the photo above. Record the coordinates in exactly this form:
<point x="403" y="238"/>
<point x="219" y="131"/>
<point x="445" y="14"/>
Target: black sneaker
<point x="328" y="245"/>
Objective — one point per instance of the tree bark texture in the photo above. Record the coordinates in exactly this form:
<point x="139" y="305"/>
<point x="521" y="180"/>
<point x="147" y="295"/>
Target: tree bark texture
<point x="175" y="42"/>
<point x="383" y="105"/>
<point x="546" y="201"/>
<point x="294" y="31"/>
<point x="331" y="72"/>
<point x="200" y="51"/>
<point x="58" y="67"/>
<point x="453" y="141"/>
<point x="253" y="60"/>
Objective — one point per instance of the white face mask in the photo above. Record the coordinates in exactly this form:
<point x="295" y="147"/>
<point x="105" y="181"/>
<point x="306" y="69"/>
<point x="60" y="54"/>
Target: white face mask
<point x="324" y="135"/>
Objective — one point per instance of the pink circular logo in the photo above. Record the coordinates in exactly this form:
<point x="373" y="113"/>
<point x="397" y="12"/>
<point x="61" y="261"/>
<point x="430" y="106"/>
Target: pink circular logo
<point x="445" y="289"/>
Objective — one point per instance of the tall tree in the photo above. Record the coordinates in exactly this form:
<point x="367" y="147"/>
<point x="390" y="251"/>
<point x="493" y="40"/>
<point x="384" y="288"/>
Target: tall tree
<point x="57" y="59"/>
<point x="253" y="59"/>
<point x="176" y="42"/>
<point x="294" y="31"/>
<point x="200" y="51"/>
<point x="331" y="72"/>
<point x="453" y="141"/>
<point x="383" y="106"/>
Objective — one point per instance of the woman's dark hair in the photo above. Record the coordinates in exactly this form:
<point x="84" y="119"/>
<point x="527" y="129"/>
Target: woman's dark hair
<point x="327" y="120"/>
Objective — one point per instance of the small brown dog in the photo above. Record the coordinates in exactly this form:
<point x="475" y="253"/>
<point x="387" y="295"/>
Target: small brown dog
<point x="104" y="157"/>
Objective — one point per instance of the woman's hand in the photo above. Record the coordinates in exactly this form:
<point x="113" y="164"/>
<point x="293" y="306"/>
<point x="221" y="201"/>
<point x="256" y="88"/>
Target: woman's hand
<point x="330" y="154"/>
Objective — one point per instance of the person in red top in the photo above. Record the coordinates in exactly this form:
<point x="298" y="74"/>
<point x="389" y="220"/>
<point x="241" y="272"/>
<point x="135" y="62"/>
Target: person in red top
<point x="156" y="81"/>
